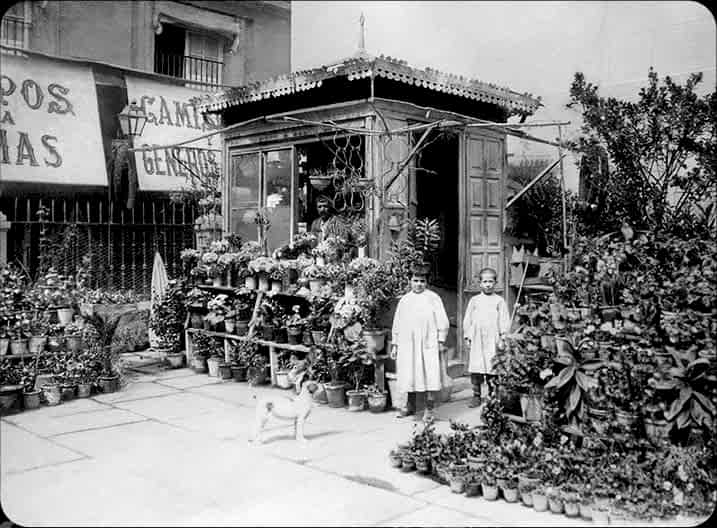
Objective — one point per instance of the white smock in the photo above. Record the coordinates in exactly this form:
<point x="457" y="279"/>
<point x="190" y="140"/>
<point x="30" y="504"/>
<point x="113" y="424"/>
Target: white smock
<point x="485" y="319"/>
<point x="419" y="324"/>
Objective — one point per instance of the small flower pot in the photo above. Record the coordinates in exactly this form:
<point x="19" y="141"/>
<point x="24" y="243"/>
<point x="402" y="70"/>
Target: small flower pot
<point x="73" y="343"/>
<point x="213" y="366"/>
<point x="51" y="394"/>
<point x="199" y="364"/>
<point x="225" y="371"/>
<point x="336" y="394"/>
<point x="175" y="359"/>
<point x="64" y="316"/>
<point x="55" y="344"/>
<point x="540" y="501"/>
<point x="37" y="344"/>
<point x="256" y="376"/>
<point x="11" y="398"/>
<point x="600" y="516"/>
<point x="250" y="282"/>
<point x="357" y="400"/>
<point x="490" y="491"/>
<point x="282" y="379"/>
<point x="510" y="494"/>
<point x="526" y="497"/>
<point x="68" y="392"/>
<point x="423" y="465"/>
<point x="531" y="407"/>
<point x="241" y="326"/>
<point x="4" y="345"/>
<point x="320" y="261"/>
<point x="408" y="463"/>
<point x="216" y="281"/>
<point x="229" y="326"/>
<point x="555" y="504"/>
<point x="263" y="284"/>
<point x="472" y="489"/>
<point x="572" y="509"/>
<point x="276" y="286"/>
<point x="267" y="332"/>
<point x="109" y="383"/>
<point x="31" y="400"/>
<point x="395" y="460"/>
<point x="239" y="372"/>
<point x="586" y="511"/>
<point x="294" y="334"/>
<point x="657" y="430"/>
<point x="84" y="390"/>
<point x="18" y="347"/>
<point x="377" y="401"/>
<point x="457" y="484"/>
<point x="320" y="396"/>
<point x="318" y="336"/>
<point x="306" y="338"/>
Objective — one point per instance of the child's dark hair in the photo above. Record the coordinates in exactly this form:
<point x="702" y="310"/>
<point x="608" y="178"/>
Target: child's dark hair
<point x="490" y="271"/>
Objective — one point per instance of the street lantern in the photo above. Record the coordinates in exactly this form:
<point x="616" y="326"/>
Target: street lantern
<point x="132" y="120"/>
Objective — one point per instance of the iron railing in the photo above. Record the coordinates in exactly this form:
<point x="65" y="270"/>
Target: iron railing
<point x="119" y="242"/>
<point x="201" y="73"/>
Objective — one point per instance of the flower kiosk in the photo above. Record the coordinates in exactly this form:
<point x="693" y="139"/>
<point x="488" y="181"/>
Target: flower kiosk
<point x="337" y="180"/>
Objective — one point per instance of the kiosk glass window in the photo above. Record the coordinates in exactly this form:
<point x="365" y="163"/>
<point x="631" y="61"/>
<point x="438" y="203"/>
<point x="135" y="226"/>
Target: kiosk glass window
<point x="244" y="194"/>
<point x="278" y="196"/>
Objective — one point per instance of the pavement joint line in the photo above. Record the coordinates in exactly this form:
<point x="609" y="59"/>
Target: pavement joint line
<point x="51" y="464"/>
<point x="97" y="428"/>
<point x="50" y="439"/>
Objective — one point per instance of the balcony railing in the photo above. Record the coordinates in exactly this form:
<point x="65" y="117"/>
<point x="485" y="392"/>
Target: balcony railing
<point x="204" y="74"/>
<point x="14" y="32"/>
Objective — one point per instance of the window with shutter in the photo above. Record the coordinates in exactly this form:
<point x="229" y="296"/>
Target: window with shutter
<point x="203" y="59"/>
<point x="15" y="26"/>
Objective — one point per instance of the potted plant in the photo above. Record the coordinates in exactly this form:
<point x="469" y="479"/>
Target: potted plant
<point x="316" y="275"/>
<point x="257" y="372"/>
<point x="540" y="499"/>
<point x="282" y="373"/>
<point x="555" y="502"/>
<point x="355" y="359"/>
<point x="336" y="388"/>
<point x="38" y="331"/>
<point x="210" y="263"/>
<point x="489" y="485"/>
<point x="373" y="294"/>
<point x="377" y="399"/>
<point x="218" y="308"/>
<point x="189" y="258"/>
<point x="295" y="325"/>
<point x="19" y="337"/>
<point x="73" y="336"/>
<point x="510" y="489"/>
<point x="10" y="386"/>
<point x="243" y="312"/>
<point x="277" y="276"/>
<point x="241" y="355"/>
<point x="571" y="501"/>
<point x="263" y="267"/>
<point x="104" y="328"/>
<point x="395" y="458"/>
<point x="4" y="340"/>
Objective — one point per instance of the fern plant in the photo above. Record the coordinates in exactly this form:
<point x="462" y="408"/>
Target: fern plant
<point x="425" y="236"/>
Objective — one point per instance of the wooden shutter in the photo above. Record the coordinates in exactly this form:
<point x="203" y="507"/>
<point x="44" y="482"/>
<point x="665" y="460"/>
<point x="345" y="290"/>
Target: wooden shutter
<point x="484" y="208"/>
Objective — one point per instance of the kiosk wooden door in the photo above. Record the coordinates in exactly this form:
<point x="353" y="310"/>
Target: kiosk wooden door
<point x="483" y="178"/>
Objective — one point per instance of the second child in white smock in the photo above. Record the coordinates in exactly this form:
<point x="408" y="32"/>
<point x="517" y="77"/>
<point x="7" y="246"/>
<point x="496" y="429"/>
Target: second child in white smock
<point x="485" y="322"/>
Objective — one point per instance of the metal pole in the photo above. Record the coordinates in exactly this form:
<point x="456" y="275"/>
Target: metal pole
<point x="562" y="198"/>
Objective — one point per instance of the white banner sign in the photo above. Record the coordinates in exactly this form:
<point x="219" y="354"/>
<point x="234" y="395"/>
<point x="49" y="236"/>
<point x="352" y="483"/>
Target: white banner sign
<point x="171" y="118"/>
<point x="49" y="123"/>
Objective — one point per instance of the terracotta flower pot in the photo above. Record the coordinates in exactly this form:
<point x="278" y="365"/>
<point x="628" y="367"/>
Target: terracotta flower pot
<point x="510" y="494"/>
<point x="213" y="366"/>
<point x="37" y="344"/>
<point x="408" y="463"/>
<point x="73" y="343"/>
<point x="572" y="509"/>
<point x="18" y="347"/>
<point x="31" y="400"/>
<point x="109" y="383"/>
<point x="68" y="392"/>
<point x="51" y="394"/>
<point x="282" y="379"/>
<point x="257" y="376"/>
<point x="585" y="510"/>
<point x="540" y="501"/>
<point x="250" y="282"/>
<point x="229" y="326"/>
<point x="357" y="400"/>
<point x="457" y="484"/>
<point x="336" y="394"/>
<point x="395" y="460"/>
<point x="175" y="359"/>
<point x="377" y="401"/>
<point x="472" y="489"/>
<point x="375" y="339"/>
<point x="267" y="332"/>
<point x="4" y="345"/>
<point x="555" y="504"/>
<point x="225" y="371"/>
<point x="199" y="364"/>
<point x="239" y="372"/>
<point x="11" y="398"/>
<point x="490" y="491"/>
<point x="84" y="390"/>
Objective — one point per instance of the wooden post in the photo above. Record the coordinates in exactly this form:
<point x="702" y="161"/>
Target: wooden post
<point x="562" y="199"/>
<point x="4" y="228"/>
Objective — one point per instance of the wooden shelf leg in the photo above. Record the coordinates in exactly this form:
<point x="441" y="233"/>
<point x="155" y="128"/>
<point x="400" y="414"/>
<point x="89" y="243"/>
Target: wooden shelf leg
<point x="189" y="352"/>
<point x="273" y="364"/>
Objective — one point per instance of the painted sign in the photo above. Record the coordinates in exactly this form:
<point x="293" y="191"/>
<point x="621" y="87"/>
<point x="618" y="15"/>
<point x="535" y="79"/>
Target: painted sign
<point x="49" y="123"/>
<point x="171" y="119"/>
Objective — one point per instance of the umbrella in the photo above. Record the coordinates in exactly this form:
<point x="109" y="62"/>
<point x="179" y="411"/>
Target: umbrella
<point x="159" y="287"/>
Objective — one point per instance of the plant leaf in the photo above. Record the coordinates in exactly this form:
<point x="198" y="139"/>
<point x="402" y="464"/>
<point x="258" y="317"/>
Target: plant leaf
<point x="562" y="378"/>
<point x="573" y="400"/>
<point x="591" y="365"/>
<point x="705" y="402"/>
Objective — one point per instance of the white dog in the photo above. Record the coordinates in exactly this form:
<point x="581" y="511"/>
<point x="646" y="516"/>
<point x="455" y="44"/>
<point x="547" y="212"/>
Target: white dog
<point x="285" y="408"/>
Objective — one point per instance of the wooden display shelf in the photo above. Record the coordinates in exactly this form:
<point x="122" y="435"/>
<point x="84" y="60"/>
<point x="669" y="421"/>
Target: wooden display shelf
<point x="15" y="356"/>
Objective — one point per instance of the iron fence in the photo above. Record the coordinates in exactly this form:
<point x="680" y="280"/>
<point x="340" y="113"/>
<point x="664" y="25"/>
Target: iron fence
<point x="119" y="244"/>
<point x="202" y="73"/>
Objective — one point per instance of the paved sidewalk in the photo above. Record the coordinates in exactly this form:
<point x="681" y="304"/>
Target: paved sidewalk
<point x="171" y="449"/>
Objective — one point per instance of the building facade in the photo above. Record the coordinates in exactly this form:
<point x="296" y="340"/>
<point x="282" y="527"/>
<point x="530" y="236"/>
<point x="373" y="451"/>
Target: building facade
<point x="68" y="69"/>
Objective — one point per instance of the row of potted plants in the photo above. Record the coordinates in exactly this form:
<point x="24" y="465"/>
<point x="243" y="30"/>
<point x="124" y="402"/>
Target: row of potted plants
<point x="547" y="469"/>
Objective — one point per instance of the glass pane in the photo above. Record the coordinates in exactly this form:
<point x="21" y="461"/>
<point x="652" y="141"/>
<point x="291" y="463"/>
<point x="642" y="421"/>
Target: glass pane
<point x="195" y="44"/>
<point x="244" y="195"/>
<point x="278" y="196"/>
<point x="211" y="49"/>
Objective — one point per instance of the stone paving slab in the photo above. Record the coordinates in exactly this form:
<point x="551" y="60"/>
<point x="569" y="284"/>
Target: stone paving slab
<point x="134" y="444"/>
<point x="65" y="408"/>
<point x="438" y="516"/>
<point x="176" y="405"/>
<point x="237" y="424"/>
<point x="91" y="493"/>
<point x="135" y="391"/>
<point x="44" y="425"/>
<point x="240" y="393"/>
<point x="281" y="443"/>
<point x="323" y="501"/>
<point x="21" y="450"/>
<point x="168" y="374"/>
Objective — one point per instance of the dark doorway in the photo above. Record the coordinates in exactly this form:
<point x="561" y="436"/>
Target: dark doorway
<point x="169" y="50"/>
<point x="437" y="197"/>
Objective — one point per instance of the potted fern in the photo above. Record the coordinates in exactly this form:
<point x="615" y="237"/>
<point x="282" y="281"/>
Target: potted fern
<point x="104" y="327"/>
